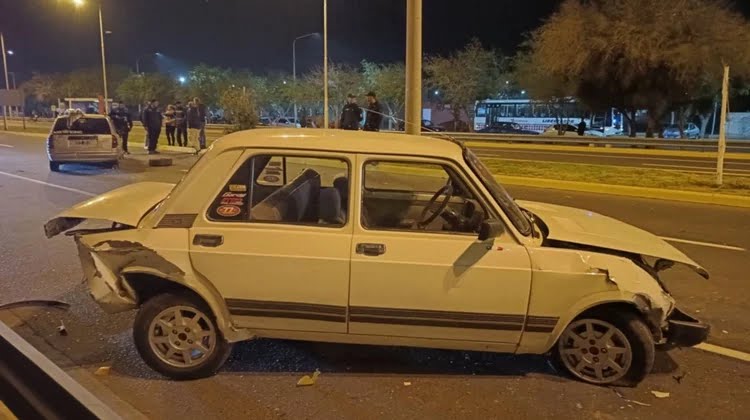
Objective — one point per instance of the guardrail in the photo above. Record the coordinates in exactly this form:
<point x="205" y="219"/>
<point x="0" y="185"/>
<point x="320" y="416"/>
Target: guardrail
<point x="627" y="142"/>
<point x="33" y="387"/>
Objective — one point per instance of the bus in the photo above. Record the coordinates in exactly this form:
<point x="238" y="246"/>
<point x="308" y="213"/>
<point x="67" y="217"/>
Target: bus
<point x="537" y="115"/>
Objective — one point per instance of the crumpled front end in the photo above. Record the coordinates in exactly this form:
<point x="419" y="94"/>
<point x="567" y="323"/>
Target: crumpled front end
<point x="103" y="263"/>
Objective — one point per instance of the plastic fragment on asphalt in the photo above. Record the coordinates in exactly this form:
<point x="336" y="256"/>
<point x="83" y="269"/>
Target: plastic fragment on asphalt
<point x="724" y="332"/>
<point x="103" y="371"/>
<point x="579" y="406"/>
<point x="309" y="380"/>
<point x="407" y="383"/>
<point x="61" y="329"/>
<point x="619" y="394"/>
<point x="160" y="162"/>
<point x="26" y="303"/>
<point x="659" y="394"/>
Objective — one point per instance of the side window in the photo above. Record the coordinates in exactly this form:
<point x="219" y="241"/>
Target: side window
<point x="286" y="189"/>
<point x="415" y="196"/>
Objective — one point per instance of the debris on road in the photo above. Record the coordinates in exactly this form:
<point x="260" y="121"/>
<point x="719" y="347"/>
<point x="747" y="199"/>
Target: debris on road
<point x="579" y="406"/>
<point x="407" y="383"/>
<point x="309" y="380"/>
<point x="679" y="377"/>
<point x="103" y="371"/>
<point x="56" y="304"/>
<point x="725" y="332"/>
<point x="61" y="329"/>
<point x="160" y="162"/>
<point x="619" y="394"/>
<point x="660" y="394"/>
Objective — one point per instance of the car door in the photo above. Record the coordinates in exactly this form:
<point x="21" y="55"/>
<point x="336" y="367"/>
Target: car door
<point x="436" y="281"/>
<point x="280" y="262"/>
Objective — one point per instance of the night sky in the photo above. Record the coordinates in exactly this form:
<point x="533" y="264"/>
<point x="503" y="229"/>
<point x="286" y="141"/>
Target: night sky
<point x="51" y="35"/>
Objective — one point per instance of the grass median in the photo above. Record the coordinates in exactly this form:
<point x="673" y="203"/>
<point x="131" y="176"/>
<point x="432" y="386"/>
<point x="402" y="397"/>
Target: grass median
<point x="620" y="175"/>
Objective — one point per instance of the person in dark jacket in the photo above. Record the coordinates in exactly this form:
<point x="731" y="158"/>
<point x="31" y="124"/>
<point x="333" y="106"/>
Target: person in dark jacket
<point x="123" y="123"/>
<point x="142" y="117"/>
<point x="582" y="127"/>
<point x="203" y="112"/>
<point x="351" y="115"/>
<point x="152" y="121"/>
<point x="374" y="113"/>
<point x="180" y="116"/>
<point x="194" y="124"/>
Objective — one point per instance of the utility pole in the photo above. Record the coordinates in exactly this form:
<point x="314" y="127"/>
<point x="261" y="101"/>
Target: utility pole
<point x="723" y="128"/>
<point x="325" y="64"/>
<point x="413" y="67"/>
<point x="104" y="62"/>
<point x="7" y="84"/>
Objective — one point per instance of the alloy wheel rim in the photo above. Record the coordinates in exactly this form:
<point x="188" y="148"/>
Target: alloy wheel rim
<point x="182" y="336"/>
<point x="595" y="351"/>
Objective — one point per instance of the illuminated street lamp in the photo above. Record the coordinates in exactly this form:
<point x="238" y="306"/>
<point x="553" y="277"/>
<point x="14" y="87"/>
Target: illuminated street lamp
<point x="138" y="61"/>
<point x="182" y="79"/>
<point x="80" y="3"/>
<point x="10" y="52"/>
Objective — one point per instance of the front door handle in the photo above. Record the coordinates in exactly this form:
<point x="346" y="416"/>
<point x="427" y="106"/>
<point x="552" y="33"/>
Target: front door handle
<point x="211" y="241"/>
<point x="371" y="250"/>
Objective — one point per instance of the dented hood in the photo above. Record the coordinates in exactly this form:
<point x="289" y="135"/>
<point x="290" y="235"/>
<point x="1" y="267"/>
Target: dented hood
<point x="584" y="227"/>
<point x="125" y="206"/>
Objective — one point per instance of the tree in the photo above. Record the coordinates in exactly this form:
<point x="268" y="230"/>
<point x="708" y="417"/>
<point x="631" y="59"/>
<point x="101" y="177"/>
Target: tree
<point x="208" y="83"/>
<point x="139" y="88"/>
<point x="464" y="77"/>
<point x="42" y="87"/>
<point x="239" y="108"/>
<point x="389" y="82"/>
<point x="641" y="54"/>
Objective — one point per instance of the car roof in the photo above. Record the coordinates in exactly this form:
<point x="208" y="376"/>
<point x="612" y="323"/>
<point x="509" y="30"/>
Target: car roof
<point x="340" y="141"/>
<point x="83" y="116"/>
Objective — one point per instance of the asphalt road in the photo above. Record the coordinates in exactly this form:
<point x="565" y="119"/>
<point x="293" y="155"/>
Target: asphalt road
<point x="702" y="165"/>
<point x="369" y="381"/>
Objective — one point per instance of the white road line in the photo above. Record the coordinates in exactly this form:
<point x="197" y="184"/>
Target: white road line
<point x="578" y="154"/>
<point x="735" y="354"/>
<point x="7" y="145"/>
<point x="60" y="187"/>
<point x="707" y="244"/>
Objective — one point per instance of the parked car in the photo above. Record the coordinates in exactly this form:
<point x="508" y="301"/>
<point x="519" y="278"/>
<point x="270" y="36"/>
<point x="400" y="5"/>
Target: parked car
<point x="265" y="122"/>
<point x="286" y="122"/>
<point x="507" y="128"/>
<point x="83" y="138"/>
<point x="673" y="131"/>
<point x="372" y="238"/>
<point x="555" y="129"/>
<point x="427" y="125"/>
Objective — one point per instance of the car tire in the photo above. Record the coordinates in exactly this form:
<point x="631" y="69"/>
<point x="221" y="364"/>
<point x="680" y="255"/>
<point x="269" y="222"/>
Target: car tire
<point x="590" y="359"/>
<point x="171" y="352"/>
<point x="54" y="166"/>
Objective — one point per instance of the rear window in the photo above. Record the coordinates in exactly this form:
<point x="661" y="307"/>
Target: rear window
<point x="82" y="126"/>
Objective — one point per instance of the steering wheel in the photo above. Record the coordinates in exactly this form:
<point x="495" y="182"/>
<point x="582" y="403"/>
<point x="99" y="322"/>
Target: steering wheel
<point x="428" y="216"/>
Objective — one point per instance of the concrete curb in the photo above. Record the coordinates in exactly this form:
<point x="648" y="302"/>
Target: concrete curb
<point x="628" y="191"/>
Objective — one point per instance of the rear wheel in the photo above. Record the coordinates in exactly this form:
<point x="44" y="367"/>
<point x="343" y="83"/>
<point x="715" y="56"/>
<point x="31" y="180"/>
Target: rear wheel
<point x="54" y="166"/>
<point x="616" y="349"/>
<point x="176" y="335"/>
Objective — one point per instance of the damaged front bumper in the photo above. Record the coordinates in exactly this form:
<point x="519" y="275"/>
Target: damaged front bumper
<point x="682" y="330"/>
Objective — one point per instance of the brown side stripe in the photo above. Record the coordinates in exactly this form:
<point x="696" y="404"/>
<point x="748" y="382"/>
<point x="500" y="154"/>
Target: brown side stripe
<point x="435" y="315"/>
<point x="541" y="324"/>
<point x="286" y="306"/>
<point x="287" y="314"/>
<point x="445" y="323"/>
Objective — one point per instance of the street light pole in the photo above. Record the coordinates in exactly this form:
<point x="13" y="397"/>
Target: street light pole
<point x="7" y="84"/>
<point x="325" y="64"/>
<point x="104" y="61"/>
<point x="413" y="67"/>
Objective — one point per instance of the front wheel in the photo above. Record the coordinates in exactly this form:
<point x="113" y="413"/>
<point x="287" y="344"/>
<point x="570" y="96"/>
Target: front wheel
<point x="176" y="335"/>
<point x="616" y="349"/>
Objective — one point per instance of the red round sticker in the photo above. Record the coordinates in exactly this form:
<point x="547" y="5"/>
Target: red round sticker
<point x="228" y="211"/>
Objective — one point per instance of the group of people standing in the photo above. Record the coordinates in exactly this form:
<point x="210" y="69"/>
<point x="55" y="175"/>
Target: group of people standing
<point x="351" y="115"/>
<point x="185" y="126"/>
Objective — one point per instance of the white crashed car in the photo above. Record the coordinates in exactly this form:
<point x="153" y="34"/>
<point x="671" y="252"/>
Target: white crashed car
<point x="372" y="238"/>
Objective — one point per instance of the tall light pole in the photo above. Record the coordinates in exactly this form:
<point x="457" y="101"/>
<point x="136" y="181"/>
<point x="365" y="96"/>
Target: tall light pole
<point x="294" y="67"/>
<point x="325" y="64"/>
<point x="7" y="84"/>
<point x="80" y="3"/>
<point x="138" y="61"/>
<point x="413" y="67"/>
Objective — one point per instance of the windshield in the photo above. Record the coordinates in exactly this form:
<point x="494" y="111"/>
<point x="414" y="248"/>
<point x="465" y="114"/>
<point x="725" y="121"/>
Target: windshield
<point x="82" y="125"/>
<point x="499" y="193"/>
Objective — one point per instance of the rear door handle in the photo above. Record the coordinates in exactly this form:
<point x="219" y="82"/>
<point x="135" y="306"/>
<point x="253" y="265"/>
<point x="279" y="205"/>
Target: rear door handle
<point x="371" y="250"/>
<point x="211" y="241"/>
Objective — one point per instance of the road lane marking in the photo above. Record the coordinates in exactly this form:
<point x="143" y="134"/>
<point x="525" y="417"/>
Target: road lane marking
<point x="735" y="354"/>
<point x="707" y="160"/>
<point x="60" y="187"/>
<point x="707" y="244"/>
<point x="691" y="167"/>
<point x="7" y="145"/>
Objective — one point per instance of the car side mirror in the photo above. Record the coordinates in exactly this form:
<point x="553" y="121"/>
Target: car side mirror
<point x="490" y="229"/>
